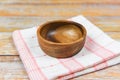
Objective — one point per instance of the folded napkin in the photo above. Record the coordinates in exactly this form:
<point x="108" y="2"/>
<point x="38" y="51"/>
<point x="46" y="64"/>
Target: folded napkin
<point x="100" y="51"/>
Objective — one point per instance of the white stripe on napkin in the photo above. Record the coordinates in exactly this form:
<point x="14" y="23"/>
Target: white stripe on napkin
<point x="99" y="48"/>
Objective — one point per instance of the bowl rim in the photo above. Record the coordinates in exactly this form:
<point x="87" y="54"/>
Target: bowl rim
<point x="54" y="43"/>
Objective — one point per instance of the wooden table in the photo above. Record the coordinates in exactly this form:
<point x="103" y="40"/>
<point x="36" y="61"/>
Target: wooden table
<point x="20" y="14"/>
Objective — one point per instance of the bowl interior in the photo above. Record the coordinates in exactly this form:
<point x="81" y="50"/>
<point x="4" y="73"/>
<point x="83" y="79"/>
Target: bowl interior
<point x="62" y="31"/>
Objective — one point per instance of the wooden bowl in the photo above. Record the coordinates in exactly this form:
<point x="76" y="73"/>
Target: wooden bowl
<point x="61" y="38"/>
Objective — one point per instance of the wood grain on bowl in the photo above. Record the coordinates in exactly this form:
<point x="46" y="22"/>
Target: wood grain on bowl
<point x="61" y="38"/>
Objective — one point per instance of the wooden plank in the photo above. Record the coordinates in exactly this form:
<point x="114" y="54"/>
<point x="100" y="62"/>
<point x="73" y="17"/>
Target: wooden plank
<point x="16" y="71"/>
<point x="60" y="10"/>
<point x="7" y="46"/>
<point x="9" y="24"/>
<point x="114" y="35"/>
<point x="59" y="1"/>
<point x="11" y="68"/>
<point x="107" y="24"/>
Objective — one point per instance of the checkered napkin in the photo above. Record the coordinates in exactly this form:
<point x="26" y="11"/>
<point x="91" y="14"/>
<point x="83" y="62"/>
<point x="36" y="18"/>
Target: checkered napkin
<point x="100" y="51"/>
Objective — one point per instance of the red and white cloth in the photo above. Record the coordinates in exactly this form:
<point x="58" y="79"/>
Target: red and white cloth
<point x="100" y="51"/>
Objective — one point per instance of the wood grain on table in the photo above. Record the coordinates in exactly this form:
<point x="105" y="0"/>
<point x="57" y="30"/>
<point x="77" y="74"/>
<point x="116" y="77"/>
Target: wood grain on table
<point x="21" y="14"/>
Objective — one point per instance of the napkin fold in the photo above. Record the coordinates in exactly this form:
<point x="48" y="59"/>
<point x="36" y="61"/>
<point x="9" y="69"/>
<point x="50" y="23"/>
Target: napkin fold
<point x="99" y="51"/>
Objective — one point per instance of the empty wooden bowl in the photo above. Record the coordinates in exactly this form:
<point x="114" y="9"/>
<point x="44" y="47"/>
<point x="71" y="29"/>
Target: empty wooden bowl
<point x="61" y="38"/>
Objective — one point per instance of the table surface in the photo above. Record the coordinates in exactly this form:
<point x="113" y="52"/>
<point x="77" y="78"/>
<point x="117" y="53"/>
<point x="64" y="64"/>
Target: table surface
<point x="20" y="14"/>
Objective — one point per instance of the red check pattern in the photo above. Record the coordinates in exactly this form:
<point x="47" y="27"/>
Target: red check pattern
<point x="94" y="57"/>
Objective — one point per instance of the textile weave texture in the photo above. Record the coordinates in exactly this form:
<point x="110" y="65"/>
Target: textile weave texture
<point x="99" y="51"/>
